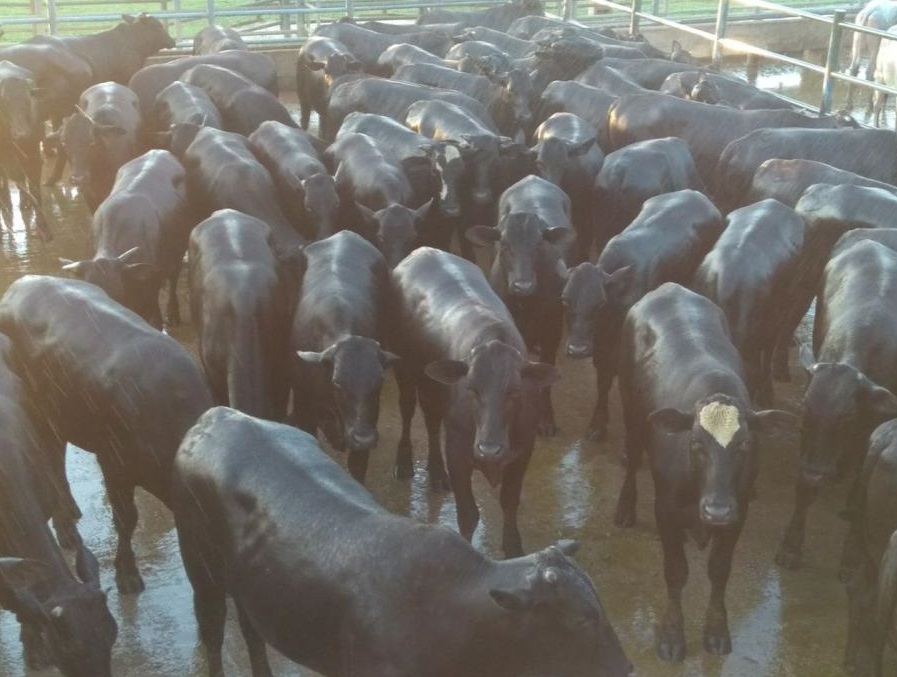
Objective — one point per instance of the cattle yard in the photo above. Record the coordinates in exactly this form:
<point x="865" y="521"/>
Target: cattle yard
<point x="784" y="620"/>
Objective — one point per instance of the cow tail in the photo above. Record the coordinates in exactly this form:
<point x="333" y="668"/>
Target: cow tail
<point x="246" y="377"/>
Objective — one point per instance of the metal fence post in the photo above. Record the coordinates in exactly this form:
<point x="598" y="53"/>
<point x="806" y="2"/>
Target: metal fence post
<point x="831" y="62"/>
<point x="722" y="20"/>
<point x="569" y="10"/>
<point x="210" y="11"/>
<point x="51" y="16"/>
<point x="634" y="17"/>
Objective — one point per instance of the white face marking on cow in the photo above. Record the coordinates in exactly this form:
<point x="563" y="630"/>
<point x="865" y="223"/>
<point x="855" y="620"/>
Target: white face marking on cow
<point x="720" y="421"/>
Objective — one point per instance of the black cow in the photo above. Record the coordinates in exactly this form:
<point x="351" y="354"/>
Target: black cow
<point x="449" y="324"/>
<point x="131" y="416"/>
<point x="707" y="129"/>
<point x="665" y="243"/>
<point x="567" y="154"/>
<point x="870" y="552"/>
<point x="243" y="104"/>
<point x="499" y="18"/>
<point x="403" y="53"/>
<point x="613" y="47"/>
<point x="140" y="235"/>
<point x="506" y="96"/>
<point x="320" y="61"/>
<point x="392" y="99"/>
<point x="335" y="557"/>
<point x="871" y="153"/>
<point x="214" y="39"/>
<point x="337" y="333"/>
<point x="307" y="191"/>
<point x="747" y="274"/>
<point x="239" y="304"/>
<point x="366" y="45"/>
<point x="562" y="56"/>
<point x="634" y="173"/>
<point x="513" y="47"/>
<point x="223" y="173"/>
<point x="686" y="405"/>
<point x="566" y="96"/>
<point x="649" y="73"/>
<point x="610" y="80"/>
<point x="728" y="90"/>
<point x="532" y="242"/>
<point x="118" y="53"/>
<point x="21" y="130"/>
<point x="852" y="379"/>
<point x="829" y="212"/>
<point x="150" y="80"/>
<point x="100" y="137"/>
<point x="178" y="113"/>
<point x="65" y="621"/>
<point x="786" y="180"/>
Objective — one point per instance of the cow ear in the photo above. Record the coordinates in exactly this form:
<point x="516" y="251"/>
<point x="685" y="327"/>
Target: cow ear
<point x="387" y="358"/>
<point x="557" y="234"/>
<point x="316" y="358"/>
<point x="421" y="212"/>
<point x="315" y="65"/>
<point x="807" y="361"/>
<point x="76" y="268"/>
<point x="87" y="567"/>
<point x="540" y="373"/>
<point x="512" y="600"/>
<point x="670" y="420"/>
<point x="568" y="546"/>
<point x="880" y="403"/>
<point x="483" y="235"/>
<point x="582" y="148"/>
<point x="17" y="579"/>
<point x="773" y="422"/>
<point x="617" y="282"/>
<point x="448" y="372"/>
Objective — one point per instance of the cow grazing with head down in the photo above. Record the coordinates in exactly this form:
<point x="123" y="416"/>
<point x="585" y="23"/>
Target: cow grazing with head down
<point x="336" y="334"/>
<point x="853" y="376"/>
<point x="366" y="611"/>
<point x="65" y="620"/>
<point x="100" y="137"/>
<point x="132" y="417"/>
<point x="449" y="325"/>
<point x="239" y="303"/>
<point x="140" y="235"/>
<point x="686" y="405"/>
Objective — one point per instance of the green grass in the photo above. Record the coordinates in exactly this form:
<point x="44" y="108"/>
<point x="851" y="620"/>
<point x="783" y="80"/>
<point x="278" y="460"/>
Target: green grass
<point x="329" y="10"/>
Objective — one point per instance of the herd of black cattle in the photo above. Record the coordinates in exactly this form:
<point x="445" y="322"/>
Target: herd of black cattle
<point x="320" y="262"/>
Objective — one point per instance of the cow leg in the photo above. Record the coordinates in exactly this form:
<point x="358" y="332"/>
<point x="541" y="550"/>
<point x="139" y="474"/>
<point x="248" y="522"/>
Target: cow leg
<point x="209" y="604"/>
<point x="58" y="167"/>
<point x="716" y="625"/>
<point x="861" y="630"/>
<point x="789" y="555"/>
<point x="605" y="371"/>
<point x="173" y="309"/>
<point x="632" y="460"/>
<point x="5" y="202"/>
<point x="433" y="404"/>
<point x="404" y="468"/>
<point x="258" y="654"/>
<point x="511" y="486"/>
<point x="671" y="644"/>
<point x="124" y="516"/>
<point x="780" y="370"/>
<point x="765" y="394"/>
<point x="459" y="454"/>
<point x="358" y="464"/>
<point x="551" y="328"/>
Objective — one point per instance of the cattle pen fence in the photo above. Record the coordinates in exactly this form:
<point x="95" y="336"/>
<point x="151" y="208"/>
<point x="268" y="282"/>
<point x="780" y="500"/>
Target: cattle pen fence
<point x="285" y="23"/>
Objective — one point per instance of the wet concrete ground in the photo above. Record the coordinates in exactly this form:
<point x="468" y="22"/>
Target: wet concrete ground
<point x="783" y="623"/>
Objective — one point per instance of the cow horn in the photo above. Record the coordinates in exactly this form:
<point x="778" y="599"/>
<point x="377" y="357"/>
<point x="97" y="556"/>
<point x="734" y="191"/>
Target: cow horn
<point x="128" y="254"/>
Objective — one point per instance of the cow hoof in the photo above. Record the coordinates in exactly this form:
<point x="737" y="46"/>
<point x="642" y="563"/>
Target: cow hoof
<point x="129" y="583"/>
<point x="717" y="644"/>
<point x="403" y="472"/>
<point x="671" y="649"/>
<point x="548" y="429"/>
<point x="598" y="434"/>
<point x="788" y="559"/>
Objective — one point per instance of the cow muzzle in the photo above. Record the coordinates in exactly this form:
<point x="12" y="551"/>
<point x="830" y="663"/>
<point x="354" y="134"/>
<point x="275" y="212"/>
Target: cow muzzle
<point x="579" y="351"/>
<point x="489" y="451"/>
<point x="361" y="440"/>
<point x="718" y="513"/>
<point x="523" y="287"/>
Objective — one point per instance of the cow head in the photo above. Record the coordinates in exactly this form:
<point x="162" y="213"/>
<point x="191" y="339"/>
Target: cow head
<point x="19" y="109"/>
<point x="321" y="202"/>
<point x="560" y="623"/>
<point x="722" y="452"/>
<point x="588" y="288"/>
<point x="681" y="55"/>
<point x="515" y="161"/>
<point x="398" y="229"/>
<point x="74" y="620"/>
<point x="554" y="156"/>
<point x="357" y="365"/>
<point x="480" y="156"/>
<point x="85" y="143"/>
<point x="516" y="93"/>
<point x="522" y="254"/>
<point x="841" y="408"/>
<point x="705" y="91"/>
<point x="146" y="33"/>
<point x="134" y="285"/>
<point x="503" y="388"/>
<point x="449" y="164"/>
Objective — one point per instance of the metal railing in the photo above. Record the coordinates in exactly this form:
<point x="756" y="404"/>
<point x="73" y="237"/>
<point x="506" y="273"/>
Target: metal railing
<point x="721" y="43"/>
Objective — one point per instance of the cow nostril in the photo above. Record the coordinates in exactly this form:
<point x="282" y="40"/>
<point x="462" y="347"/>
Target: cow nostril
<point x="489" y="451"/>
<point x="717" y="513"/>
<point x="579" y="351"/>
<point x="523" y="288"/>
